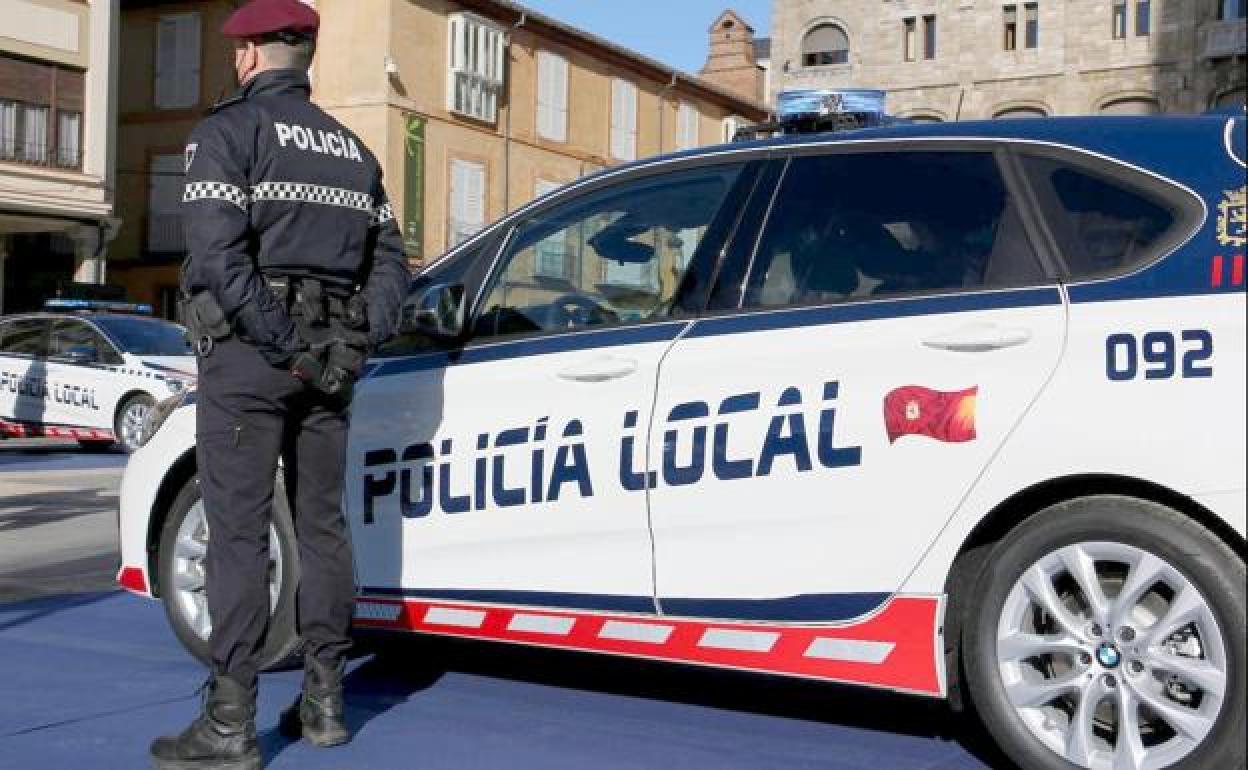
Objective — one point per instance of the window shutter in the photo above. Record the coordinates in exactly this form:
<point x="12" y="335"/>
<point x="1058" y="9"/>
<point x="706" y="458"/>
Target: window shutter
<point x="544" y="96"/>
<point x="467" y="200"/>
<point x="617" y="118"/>
<point x="630" y="96"/>
<point x="476" y="196"/>
<point x="188" y="60"/>
<point x="623" y="120"/>
<point x="456" y="44"/>
<point x="166" y="62"/>
<point x="561" y="99"/>
<point x="687" y="127"/>
<point x="552" y="96"/>
<point x="164" y="222"/>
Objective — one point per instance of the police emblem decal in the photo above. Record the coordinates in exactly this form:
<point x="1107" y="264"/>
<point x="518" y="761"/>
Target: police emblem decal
<point x="1233" y="218"/>
<point x="190" y="156"/>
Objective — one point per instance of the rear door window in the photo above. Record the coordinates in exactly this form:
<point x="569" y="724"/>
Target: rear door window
<point x="25" y="337"/>
<point x="1105" y="221"/>
<point x="848" y="227"/>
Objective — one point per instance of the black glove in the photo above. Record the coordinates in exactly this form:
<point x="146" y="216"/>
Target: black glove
<point x="349" y="350"/>
<point x="330" y="368"/>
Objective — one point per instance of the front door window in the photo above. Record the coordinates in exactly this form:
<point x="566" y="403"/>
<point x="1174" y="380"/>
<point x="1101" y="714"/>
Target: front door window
<point x="623" y="253"/>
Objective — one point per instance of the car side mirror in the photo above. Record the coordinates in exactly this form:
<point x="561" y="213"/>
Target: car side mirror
<point x="437" y="312"/>
<point x="79" y="355"/>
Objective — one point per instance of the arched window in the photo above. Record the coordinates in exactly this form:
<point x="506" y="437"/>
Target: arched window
<point x="1132" y="105"/>
<point x="1020" y="112"/>
<point x="825" y="44"/>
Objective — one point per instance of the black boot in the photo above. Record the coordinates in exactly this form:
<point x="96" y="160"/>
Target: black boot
<point x="222" y="738"/>
<point x="317" y="714"/>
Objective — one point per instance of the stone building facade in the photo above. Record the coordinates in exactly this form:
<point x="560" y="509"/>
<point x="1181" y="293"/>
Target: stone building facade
<point x="960" y="59"/>
<point x="473" y="107"/>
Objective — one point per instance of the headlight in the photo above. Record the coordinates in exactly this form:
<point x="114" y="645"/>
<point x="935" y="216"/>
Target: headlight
<point x="157" y="415"/>
<point x="177" y="386"/>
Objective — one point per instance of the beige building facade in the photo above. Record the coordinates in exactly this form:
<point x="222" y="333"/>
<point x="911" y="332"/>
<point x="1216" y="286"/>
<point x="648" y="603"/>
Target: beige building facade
<point x="57" y="135"/>
<point x="473" y="107"/>
<point x="959" y="59"/>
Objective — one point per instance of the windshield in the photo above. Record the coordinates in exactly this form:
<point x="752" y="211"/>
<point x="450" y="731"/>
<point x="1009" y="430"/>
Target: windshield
<point x="146" y="336"/>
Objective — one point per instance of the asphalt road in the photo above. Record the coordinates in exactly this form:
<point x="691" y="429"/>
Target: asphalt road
<point x="58" y="519"/>
<point x="89" y="675"/>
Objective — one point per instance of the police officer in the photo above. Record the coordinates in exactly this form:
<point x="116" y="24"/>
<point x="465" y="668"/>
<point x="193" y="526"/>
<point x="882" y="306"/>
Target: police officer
<point x="295" y="271"/>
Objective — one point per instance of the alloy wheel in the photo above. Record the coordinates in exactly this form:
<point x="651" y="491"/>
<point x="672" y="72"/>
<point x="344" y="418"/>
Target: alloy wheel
<point x="134" y="424"/>
<point x="189" y="551"/>
<point x="1112" y="657"/>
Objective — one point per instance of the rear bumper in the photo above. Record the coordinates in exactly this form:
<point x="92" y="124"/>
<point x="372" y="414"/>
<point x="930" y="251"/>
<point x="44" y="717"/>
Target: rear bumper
<point x="134" y="579"/>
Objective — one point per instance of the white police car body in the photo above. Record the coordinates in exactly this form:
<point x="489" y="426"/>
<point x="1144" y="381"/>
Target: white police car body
<point x="947" y="410"/>
<point x="86" y="370"/>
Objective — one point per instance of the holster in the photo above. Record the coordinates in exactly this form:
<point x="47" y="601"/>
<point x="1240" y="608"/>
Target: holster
<point x="334" y="323"/>
<point x="205" y="320"/>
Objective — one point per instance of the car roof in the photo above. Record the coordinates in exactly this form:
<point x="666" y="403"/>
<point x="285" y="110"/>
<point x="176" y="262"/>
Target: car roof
<point x="1070" y="128"/>
<point x="84" y="316"/>
<point x="1132" y="137"/>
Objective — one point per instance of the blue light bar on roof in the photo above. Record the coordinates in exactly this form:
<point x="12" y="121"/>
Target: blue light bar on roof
<point x="808" y="103"/>
<point x="101" y="305"/>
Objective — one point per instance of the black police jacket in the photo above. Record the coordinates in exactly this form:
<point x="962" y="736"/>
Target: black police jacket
<point x="275" y="185"/>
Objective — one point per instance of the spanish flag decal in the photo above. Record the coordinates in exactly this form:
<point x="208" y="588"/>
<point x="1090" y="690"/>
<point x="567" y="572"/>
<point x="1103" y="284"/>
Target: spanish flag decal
<point x="913" y="410"/>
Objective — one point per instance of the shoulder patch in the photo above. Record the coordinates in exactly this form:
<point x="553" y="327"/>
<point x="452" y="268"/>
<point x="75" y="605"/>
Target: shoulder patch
<point x="221" y="105"/>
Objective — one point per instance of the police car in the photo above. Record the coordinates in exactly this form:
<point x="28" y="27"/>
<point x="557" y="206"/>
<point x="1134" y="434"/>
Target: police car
<point x="953" y="410"/>
<point x="89" y="370"/>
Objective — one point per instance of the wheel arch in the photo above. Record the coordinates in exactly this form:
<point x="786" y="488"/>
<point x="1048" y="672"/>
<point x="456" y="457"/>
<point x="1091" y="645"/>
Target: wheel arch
<point x="126" y="398"/>
<point x="1021" y="506"/>
<point x="182" y="470"/>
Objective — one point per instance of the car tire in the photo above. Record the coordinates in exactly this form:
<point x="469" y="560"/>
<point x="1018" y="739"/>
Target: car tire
<point x="1124" y="664"/>
<point x="183" y="542"/>
<point x="131" y="421"/>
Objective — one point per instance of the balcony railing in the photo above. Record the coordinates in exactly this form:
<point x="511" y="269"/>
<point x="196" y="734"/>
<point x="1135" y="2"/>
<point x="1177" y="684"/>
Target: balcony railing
<point x="1224" y="38"/>
<point x="39" y="154"/>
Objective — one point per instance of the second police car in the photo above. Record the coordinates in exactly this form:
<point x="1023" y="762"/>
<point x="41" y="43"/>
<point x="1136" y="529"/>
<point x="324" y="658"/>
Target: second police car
<point x="89" y="370"/>
<point x="953" y="410"/>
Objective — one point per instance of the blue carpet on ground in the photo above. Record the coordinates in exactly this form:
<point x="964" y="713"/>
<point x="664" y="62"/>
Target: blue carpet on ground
<point x="86" y="681"/>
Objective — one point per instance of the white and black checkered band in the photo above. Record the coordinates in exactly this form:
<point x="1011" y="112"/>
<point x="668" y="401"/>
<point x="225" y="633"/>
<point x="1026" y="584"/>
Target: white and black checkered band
<point x="312" y="193"/>
<point x="198" y="191"/>
<point x="383" y="214"/>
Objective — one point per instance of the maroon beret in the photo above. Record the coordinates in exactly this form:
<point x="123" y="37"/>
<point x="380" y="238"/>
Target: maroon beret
<point x="265" y="17"/>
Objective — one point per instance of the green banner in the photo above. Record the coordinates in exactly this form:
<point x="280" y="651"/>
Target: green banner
<point x="414" y="188"/>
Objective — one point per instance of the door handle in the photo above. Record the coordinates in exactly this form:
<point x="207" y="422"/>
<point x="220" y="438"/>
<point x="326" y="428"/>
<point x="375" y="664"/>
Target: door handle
<point x="979" y="338"/>
<point x="599" y="369"/>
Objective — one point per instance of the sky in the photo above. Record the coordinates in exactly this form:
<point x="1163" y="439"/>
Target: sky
<point x="672" y="31"/>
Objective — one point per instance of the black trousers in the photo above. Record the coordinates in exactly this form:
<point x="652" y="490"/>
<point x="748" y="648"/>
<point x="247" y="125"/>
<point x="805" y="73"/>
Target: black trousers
<point x="249" y="414"/>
